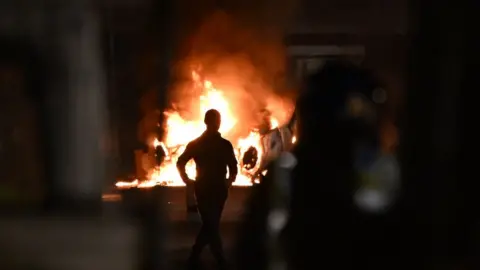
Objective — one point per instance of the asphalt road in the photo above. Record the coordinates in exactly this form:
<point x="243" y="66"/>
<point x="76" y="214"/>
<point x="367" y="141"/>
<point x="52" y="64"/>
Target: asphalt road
<point x="182" y="228"/>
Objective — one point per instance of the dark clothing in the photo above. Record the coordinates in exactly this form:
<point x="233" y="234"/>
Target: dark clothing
<point x="210" y="209"/>
<point x="212" y="155"/>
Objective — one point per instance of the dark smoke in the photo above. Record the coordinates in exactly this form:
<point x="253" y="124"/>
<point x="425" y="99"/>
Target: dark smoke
<point x="240" y="47"/>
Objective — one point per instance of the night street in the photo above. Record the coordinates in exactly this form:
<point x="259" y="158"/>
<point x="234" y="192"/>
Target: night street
<point x="350" y="122"/>
<point x="182" y="229"/>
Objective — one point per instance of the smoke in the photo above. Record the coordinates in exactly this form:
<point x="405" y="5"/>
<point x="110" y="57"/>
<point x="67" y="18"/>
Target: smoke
<point x="240" y="48"/>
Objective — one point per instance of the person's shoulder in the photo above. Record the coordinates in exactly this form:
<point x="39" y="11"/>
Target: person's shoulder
<point x="227" y="143"/>
<point x="195" y="142"/>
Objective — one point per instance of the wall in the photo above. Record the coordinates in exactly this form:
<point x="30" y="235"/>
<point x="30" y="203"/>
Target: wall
<point x="380" y="28"/>
<point x="352" y="17"/>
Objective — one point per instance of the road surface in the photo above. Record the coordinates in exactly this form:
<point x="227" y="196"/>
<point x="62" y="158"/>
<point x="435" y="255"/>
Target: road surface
<point x="182" y="228"/>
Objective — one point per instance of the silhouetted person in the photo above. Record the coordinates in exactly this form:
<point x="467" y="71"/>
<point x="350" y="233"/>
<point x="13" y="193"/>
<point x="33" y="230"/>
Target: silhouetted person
<point x="212" y="155"/>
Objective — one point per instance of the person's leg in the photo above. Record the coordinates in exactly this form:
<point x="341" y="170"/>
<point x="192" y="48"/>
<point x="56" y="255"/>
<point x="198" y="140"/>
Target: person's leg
<point x="190" y="198"/>
<point x="216" y="245"/>
<point x="203" y="235"/>
<point x="201" y="241"/>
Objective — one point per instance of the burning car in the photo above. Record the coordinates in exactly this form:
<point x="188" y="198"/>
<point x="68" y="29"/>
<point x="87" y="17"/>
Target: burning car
<point x="253" y="150"/>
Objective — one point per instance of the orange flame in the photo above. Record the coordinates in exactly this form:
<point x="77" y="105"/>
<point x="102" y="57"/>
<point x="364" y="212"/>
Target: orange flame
<point x="179" y="132"/>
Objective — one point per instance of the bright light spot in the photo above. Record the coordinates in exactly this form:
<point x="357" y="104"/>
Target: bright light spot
<point x="287" y="160"/>
<point x="382" y="185"/>
<point x="277" y="220"/>
<point x="371" y="200"/>
<point x="156" y="143"/>
<point x="273" y="123"/>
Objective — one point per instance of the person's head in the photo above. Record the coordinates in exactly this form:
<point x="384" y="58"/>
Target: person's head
<point x="212" y="120"/>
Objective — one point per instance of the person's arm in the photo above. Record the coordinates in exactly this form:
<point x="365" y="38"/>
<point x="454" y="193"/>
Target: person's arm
<point x="232" y="164"/>
<point x="182" y="162"/>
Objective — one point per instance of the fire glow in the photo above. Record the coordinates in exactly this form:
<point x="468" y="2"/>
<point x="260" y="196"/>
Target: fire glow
<point x="179" y="132"/>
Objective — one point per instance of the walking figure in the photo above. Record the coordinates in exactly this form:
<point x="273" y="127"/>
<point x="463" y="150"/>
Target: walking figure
<point x="212" y="155"/>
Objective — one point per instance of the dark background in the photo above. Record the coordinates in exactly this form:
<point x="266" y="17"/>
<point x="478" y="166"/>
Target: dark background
<point x="423" y="51"/>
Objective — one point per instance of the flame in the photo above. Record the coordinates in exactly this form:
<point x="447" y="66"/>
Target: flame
<point x="123" y="184"/>
<point x="156" y="143"/>
<point x="273" y="123"/>
<point x="179" y="132"/>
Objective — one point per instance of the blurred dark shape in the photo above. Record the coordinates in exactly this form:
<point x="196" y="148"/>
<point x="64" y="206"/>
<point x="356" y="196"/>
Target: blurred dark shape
<point x="22" y="55"/>
<point x="325" y="228"/>
<point x="440" y="134"/>
<point x="250" y="158"/>
<point x="20" y="154"/>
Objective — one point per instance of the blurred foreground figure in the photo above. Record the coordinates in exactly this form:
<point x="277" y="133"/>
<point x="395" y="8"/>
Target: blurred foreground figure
<point x="320" y="204"/>
<point x="212" y="155"/>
